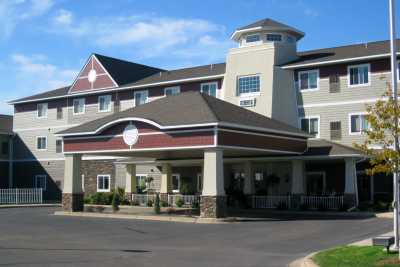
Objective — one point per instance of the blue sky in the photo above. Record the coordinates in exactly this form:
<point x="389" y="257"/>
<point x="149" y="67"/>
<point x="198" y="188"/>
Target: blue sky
<point x="44" y="43"/>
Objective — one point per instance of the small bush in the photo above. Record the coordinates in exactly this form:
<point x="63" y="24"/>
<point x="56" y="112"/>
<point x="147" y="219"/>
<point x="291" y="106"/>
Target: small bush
<point x="87" y="200"/>
<point x="101" y="198"/>
<point x="195" y="205"/>
<point x="157" y="208"/>
<point x="149" y="203"/>
<point x="135" y="203"/>
<point x="164" y="203"/>
<point x="281" y="206"/>
<point x="115" y="201"/>
<point x="179" y="202"/>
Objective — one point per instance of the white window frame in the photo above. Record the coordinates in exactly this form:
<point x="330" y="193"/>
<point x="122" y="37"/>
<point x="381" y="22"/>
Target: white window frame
<point x="299" y="81"/>
<point x="210" y="83"/>
<point x="62" y="146"/>
<point x="178" y="175"/>
<point x="255" y="42"/>
<point x="140" y="92"/>
<point x="37" y="110"/>
<point x="312" y="117"/>
<point x="109" y="183"/>
<point x="177" y="88"/>
<point x="349" y="124"/>
<point x="357" y="66"/>
<point x="109" y="107"/>
<point x="37" y="143"/>
<point x="251" y="93"/>
<point x="273" y="33"/>
<point x="41" y="176"/>
<point x="83" y="109"/>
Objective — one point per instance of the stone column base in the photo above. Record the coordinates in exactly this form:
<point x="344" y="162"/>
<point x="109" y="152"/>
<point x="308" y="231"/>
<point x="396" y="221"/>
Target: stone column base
<point x="349" y="200"/>
<point x="213" y="206"/>
<point x="72" y="202"/>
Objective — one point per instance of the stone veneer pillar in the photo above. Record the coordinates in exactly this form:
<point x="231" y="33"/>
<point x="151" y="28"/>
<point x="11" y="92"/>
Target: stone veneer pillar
<point x="213" y="199"/>
<point x="130" y="181"/>
<point x="166" y="181"/>
<point x="350" y="189"/>
<point x="72" y="197"/>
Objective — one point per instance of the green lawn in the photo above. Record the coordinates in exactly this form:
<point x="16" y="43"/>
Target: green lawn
<point x="352" y="256"/>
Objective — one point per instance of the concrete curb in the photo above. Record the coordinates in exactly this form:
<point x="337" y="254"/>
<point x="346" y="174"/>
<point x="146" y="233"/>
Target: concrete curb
<point x="29" y="206"/>
<point x="304" y="262"/>
<point x="145" y="217"/>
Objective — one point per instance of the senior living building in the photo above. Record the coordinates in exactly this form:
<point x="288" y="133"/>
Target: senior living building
<point x="271" y="121"/>
<point x="6" y="148"/>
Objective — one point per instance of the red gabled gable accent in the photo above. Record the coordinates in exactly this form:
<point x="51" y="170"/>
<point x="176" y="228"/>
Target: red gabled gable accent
<point x="103" y="79"/>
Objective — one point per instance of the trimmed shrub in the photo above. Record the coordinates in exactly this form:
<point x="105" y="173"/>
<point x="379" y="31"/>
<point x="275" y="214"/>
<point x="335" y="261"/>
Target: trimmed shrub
<point x="115" y="201"/>
<point x="195" y="205"/>
<point x="179" y="202"/>
<point x="164" y="203"/>
<point x="157" y="208"/>
<point x="101" y="198"/>
<point x="149" y="203"/>
<point x="135" y="203"/>
<point x="87" y="200"/>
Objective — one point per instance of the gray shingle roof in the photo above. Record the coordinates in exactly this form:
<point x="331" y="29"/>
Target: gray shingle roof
<point x="187" y="109"/>
<point x="6" y="124"/>
<point x="185" y="73"/>
<point x="322" y="147"/>
<point x="48" y="94"/>
<point x="271" y="24"/>
<point x="342" y="53"/>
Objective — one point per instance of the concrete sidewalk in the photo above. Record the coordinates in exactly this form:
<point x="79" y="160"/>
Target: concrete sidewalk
<point x="28" y="206"/>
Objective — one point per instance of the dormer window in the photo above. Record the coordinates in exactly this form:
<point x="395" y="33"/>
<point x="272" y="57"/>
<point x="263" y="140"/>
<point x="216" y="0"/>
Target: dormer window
<point x="272" y="37"/>
<point x="252" y="38"/>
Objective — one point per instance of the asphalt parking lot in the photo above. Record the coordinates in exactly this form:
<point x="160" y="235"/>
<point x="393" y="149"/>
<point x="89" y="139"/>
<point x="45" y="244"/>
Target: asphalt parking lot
<point x="36" y="237"/>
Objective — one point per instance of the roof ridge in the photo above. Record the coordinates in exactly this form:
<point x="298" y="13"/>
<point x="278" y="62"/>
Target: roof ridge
<point x="204" y="97"/>
<point x="343" y="46"/>
<point x="338" y="144"/>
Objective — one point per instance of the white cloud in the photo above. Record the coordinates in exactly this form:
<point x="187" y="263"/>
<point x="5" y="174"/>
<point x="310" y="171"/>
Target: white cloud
<point x="35" y="73"/>
<point x="63" y="17"/>
<point x="13" y="12"/>
<point x="147" y="36"/>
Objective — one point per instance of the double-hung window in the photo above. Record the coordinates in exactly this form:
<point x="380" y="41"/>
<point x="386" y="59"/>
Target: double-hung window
<point x="209" y="88"/>
<point x="104" y="103"/>
<point x="41" y="143"/>
<point x="358" y="123"/>
<point x="103" y="183"/>
<point x="42" y="110"/>
<point x="248" y="85"/>
<point x="308" y="80"/>
<point x="172" y="90"/>
<point x="140" y="97"/>
<point x="79" y="106"/>
<point x="59" y="146"/>
<point x="358" y="75"/>
<point x="310" y="125"/>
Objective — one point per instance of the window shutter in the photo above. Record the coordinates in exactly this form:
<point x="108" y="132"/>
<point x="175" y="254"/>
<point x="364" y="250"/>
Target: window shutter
<point x="334" y="83"/>
<point x="336" y="130"/>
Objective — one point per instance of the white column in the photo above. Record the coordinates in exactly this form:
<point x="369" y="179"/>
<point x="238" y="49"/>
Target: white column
<point x="350" y="176"/>
<point x="72" y="174"/>
<point x="130" y="183"/>
<point x="213" y="179"/>
<point x="298" y="177"/>
<point x="166" y="178"/>
<point x="248" y="179"/>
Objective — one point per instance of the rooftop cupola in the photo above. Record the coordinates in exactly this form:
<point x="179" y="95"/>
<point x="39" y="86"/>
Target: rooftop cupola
<point x="266" y="31"/>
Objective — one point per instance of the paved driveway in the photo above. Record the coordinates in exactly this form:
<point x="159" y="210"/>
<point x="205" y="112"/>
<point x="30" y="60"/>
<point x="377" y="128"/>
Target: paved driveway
<point x="35" y="237"/>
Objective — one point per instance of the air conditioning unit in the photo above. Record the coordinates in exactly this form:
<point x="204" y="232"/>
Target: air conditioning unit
<point x="249" y="102"/>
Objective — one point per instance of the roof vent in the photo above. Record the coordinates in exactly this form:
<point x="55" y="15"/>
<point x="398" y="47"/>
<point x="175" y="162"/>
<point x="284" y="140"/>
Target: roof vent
<point x="211" y="66"/>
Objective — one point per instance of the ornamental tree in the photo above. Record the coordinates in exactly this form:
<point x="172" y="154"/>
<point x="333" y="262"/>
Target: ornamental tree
<point x="381" y="133"/>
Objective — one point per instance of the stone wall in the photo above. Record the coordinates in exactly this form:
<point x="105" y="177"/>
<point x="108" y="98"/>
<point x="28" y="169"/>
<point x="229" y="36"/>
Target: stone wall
<point x="213" y="206"/>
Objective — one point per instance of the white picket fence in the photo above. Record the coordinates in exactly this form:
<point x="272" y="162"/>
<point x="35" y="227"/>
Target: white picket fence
<point x="143" y="199"/>
<point x="21" y="196"/>
<point x="325" y="202"/>
<point x="311" y="202"/>
<point x="270" y="202"/>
